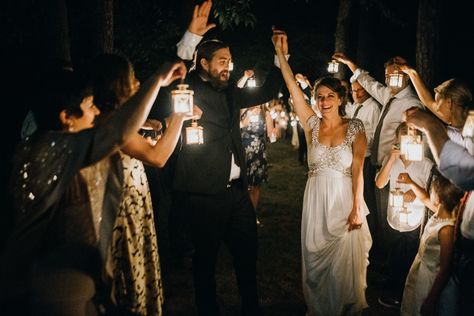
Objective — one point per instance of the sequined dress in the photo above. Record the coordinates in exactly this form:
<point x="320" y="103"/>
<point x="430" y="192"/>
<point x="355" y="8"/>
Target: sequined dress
<point x="423" y="272"/>
<point x="253" y="140"/>
<point x="136" y="265"/>
<point x="334" y="260"/>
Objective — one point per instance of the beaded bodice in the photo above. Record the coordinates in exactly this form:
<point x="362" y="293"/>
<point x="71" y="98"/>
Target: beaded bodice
<point x="337" y="158"/>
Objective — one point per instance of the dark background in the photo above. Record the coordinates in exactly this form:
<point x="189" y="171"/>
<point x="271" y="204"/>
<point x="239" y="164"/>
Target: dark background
<point x="147" y="32"/>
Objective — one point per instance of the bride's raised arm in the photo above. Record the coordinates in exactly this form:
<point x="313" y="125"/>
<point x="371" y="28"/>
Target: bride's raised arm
<point x="304" y="112"/>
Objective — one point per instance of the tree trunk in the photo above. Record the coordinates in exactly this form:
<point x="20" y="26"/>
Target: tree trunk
<point x="341" y="37"/>
<point x="427" y="41"/>
<point x="53" y="31"/>
<point x="364" y="36"/>
<point x="92" y="28"/>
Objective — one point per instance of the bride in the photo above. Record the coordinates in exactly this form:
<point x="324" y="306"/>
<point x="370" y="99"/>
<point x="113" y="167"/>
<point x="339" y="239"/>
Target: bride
<point x="335" y="239"/>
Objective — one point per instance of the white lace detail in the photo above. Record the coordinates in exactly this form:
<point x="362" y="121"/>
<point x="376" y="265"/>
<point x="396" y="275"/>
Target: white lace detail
<point x="337" y="158"/>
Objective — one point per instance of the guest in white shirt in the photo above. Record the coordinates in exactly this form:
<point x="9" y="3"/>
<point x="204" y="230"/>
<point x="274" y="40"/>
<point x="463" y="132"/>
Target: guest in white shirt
<point x="395" y="171"/>
<point x="394" y="100"/>
<point x="367" y="110"/>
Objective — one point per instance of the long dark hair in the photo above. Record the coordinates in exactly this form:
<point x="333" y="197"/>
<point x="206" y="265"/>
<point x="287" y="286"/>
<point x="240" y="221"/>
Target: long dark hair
<point x="335" y="85"/>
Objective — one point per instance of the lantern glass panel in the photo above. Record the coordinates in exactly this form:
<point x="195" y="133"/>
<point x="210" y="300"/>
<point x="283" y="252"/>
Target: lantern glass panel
<point x="183" y="99"/>
<point x="251" y="82"/>
<point x="333" y="67"/>
<point x="194" y="134"/>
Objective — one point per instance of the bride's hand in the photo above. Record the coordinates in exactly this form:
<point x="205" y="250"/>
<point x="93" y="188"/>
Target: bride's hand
<point x="354" y="220"/>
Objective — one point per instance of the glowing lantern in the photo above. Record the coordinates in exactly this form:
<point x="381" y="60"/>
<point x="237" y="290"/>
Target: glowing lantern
<point x="194" y="134"/>
<point x="251" y="82"/>
<point x="183" y="99"/>
<point x="395" y="79"/>
<point x="333" y="67"/>
<point x="411" y="145"/>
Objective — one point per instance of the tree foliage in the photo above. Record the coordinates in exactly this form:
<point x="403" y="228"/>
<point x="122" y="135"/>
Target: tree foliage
<point x="233" y="13"/>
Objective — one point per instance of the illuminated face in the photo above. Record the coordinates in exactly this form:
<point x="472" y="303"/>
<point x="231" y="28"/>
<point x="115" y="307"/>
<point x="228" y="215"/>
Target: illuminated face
<point x="327" y="100"/>
<point x="218" y="68"/>
<point x="89" y="115"/>
<point x="358" y="93"/>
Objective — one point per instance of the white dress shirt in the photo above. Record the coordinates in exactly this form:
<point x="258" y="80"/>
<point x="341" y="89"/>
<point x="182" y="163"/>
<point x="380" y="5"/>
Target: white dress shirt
<point x="369" y="115"/>
<point x="404" y="100"/>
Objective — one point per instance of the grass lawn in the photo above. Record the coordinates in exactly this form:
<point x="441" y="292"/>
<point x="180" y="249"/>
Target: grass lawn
<point x="279" y="263"/>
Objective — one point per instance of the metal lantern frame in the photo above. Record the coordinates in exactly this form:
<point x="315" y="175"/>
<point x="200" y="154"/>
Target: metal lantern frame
<point x="395" y="79"/>
<point x="183" y="100"/>
<point x="194" y="134"/>
<point x="333" y="67"/>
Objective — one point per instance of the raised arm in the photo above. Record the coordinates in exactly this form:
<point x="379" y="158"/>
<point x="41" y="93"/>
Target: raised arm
<point x="125" y="122"/>
<point x="383" y="176"/>
<point x="301" y="108"/>
<point x="342" y="58"/>
<point x="157" y="155"/>
<point x="434" y="130"/>
<point x="197" y="28"/>
<point x="423" y="93"/>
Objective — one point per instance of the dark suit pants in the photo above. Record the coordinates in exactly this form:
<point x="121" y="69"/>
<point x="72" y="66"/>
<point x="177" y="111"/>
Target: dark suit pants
<point x="229" y="218"/>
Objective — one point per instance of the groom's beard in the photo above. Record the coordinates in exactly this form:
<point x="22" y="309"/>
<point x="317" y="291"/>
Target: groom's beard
<point x="219" y="80"/>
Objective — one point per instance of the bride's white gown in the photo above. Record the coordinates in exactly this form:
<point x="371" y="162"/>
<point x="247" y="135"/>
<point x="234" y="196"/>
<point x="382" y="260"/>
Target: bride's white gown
<point x="334" y="260"/>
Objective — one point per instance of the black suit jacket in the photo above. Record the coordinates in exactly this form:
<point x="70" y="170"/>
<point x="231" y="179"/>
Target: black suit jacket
<point x="205" y="168"/>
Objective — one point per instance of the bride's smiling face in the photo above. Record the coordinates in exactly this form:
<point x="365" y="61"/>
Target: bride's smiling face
<point x="328" y="101"/>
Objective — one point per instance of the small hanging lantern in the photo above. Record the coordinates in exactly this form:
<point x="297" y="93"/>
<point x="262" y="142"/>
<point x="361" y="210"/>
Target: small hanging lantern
<point x="404" y="215"/>
<point x="395" y="79"/>
<point x="396" y="198"/>
<point x="251" y="82"/>
<point x="231" y="66"/>
<point x="194" y="134"/>
<point x="411" y="145"/>
<point x="183" y="99"/>
<point x="333" y="67"/>
<point x="468" y="130"/>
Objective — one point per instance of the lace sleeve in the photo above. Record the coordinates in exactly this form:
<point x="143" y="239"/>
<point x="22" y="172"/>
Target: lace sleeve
<point x="312" y="121"/>
<point x="355" y="127"/>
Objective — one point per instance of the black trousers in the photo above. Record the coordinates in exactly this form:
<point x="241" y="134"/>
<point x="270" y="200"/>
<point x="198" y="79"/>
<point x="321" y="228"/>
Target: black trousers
<point x="464" y="271"/>
<point x="227" y="218"/>
<point x="370" y="199"/>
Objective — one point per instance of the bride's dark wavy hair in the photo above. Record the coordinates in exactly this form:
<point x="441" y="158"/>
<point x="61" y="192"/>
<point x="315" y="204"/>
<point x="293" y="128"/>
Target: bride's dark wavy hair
<point x="335" y="85"/>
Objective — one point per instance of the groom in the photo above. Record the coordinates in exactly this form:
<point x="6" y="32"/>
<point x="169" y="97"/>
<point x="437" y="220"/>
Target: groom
<point x="210" y="179"/>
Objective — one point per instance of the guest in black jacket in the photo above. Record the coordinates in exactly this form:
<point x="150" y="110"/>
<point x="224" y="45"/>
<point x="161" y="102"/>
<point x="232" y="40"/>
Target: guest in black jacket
<point x="210" y="179"/>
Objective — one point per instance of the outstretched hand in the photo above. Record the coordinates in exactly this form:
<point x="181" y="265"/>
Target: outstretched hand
<point x="341" y="57"/>
<point x="170" y="72"/>
<point x="199" y="25"/>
